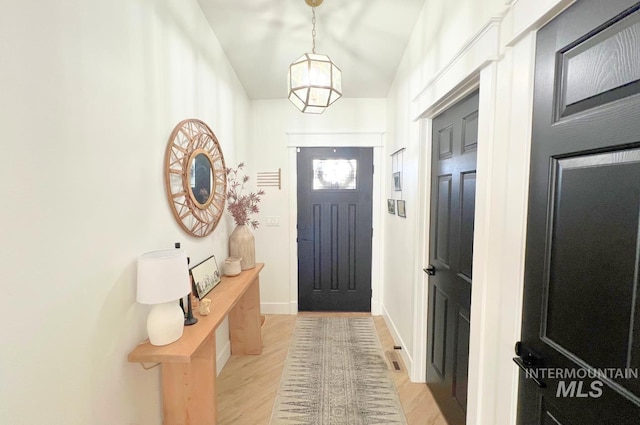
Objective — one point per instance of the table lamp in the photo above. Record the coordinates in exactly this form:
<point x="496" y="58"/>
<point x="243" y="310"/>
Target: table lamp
<point x="163" y="279"/>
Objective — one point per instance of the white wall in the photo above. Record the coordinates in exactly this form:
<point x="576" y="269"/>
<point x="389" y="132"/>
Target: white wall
<point x="443" y="28"/>
<point x="89" y="93"/>
<point x="272" y="120"/>
<point x="454" y="47"/>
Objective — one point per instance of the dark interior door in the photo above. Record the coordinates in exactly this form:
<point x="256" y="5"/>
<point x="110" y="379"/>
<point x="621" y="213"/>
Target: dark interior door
<point x="453" y="190"/>
<point x="334" y="229"/>
<point x="581" y="323"/>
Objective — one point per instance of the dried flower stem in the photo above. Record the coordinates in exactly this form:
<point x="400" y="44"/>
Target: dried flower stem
<point x="241" y="206"/>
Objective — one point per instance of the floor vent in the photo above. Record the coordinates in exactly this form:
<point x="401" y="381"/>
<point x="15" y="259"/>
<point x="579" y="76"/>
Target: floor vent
<point x="394" y="361"/>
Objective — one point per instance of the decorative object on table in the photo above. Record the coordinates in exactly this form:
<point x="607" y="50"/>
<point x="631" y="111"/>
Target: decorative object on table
<point x="241" y="205"/>
<point x="402" y="208"/>
<point x="391" y="206"/>
<point x="336" y="369"/>
<point x="232" y="266"/>
<point x="189" y="319"/>
<point x="163" y="279"/>
<point x="205" y="306"/>
<point x="195" y="177"/>
<point x="242" y="244"/>
<point x="205" y="276"/>
<point x="315" y="82"/>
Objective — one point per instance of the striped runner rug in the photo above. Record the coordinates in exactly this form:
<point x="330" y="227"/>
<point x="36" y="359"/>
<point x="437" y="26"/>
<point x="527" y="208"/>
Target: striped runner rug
<point x="335" y="374"/>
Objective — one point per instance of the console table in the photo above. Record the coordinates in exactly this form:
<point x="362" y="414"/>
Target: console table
<point x="189" y="364"/>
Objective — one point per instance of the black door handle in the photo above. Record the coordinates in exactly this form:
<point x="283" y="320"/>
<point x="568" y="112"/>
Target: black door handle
<point x="430" y="270"/>
<point x="528" y="360"/>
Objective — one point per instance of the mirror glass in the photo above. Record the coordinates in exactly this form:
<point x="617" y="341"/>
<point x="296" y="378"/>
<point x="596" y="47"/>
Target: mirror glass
<point x="201" y="179"/>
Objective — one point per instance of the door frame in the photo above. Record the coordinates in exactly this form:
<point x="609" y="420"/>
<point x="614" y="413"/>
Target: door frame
<point x="499" y="58"/>
<point x="421" y="291"/>
<point x="439" y="97"/>
<point x="373" y="140"/>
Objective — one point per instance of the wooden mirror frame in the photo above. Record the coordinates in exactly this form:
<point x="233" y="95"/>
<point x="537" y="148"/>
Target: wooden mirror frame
<point x="189" y="139"/>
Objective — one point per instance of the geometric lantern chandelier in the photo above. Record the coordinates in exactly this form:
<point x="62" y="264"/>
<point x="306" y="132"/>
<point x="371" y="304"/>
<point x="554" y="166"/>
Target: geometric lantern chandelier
<point x="314" y="81"/>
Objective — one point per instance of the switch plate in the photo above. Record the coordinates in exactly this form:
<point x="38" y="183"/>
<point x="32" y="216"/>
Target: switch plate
<point x="272" y="221"/>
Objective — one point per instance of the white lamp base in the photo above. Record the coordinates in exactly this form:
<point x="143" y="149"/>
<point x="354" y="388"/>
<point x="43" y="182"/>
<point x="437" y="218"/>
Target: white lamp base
<point x="165" y="323"/>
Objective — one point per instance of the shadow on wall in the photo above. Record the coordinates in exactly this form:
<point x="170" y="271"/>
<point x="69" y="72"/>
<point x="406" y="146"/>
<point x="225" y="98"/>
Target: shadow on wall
<point x="115" y="381"/>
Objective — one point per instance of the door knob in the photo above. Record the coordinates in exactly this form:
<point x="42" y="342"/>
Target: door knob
<point x="430" y="270"/>
<point x="528" y="360"/>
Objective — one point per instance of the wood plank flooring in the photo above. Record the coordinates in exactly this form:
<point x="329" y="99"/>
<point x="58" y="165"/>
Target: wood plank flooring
<point x="247" y="386"/>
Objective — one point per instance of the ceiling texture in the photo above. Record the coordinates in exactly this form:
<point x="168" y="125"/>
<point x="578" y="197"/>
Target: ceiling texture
<point x="366" y="39"/>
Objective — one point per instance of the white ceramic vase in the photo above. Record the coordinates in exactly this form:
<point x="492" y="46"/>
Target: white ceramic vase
<point x="242" y="244"/>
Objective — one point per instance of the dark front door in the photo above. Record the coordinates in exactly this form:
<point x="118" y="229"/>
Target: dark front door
<point x="581" y="317"/>
<point x="453" y="190"/>
<point x="334" y="229"/>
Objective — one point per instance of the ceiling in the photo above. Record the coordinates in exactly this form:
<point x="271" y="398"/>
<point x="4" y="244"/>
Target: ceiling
<point x="364" y="38"/>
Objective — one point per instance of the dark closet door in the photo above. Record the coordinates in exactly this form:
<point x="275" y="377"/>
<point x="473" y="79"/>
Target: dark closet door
<point x="581" y="310"/>
<point x="453" y="191"/>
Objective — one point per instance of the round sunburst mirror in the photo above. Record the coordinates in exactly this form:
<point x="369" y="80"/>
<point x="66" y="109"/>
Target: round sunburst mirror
<point x="195" y="177"/>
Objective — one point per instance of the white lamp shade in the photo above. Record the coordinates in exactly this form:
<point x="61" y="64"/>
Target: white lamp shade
<point x="314" y="83"/>
<point x="163" y="276"/>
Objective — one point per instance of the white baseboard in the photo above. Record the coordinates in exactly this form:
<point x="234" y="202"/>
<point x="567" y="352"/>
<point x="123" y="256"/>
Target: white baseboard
<point x="222" y="357"/>
<point x="375" y="309"/>
<point x="276" y="308"/>
<point x="406" y="356"/>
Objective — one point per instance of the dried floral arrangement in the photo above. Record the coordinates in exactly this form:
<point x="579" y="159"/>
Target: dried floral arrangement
<point x="240" y="205"/>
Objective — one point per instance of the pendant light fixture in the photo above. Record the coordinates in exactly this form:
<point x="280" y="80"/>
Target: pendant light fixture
<point x="314" y="81"/>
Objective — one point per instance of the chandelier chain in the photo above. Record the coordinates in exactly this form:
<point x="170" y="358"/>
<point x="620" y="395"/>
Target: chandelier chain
<point x="313" y="31"/>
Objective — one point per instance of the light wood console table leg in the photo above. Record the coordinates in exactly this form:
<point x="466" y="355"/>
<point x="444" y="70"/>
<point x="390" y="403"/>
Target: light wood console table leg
<point x="244" y="322"/>
<point x="189" y="390"/>
<point x="189" y="364"/>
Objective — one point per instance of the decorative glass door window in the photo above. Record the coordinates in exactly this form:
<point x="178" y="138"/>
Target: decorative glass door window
<point x="334" y="174"/>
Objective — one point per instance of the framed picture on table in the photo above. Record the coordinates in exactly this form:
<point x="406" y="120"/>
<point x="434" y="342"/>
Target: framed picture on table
<point x="205" y="276"/>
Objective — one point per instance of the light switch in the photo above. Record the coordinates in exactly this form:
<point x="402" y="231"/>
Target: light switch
<point x="273" y="221"/>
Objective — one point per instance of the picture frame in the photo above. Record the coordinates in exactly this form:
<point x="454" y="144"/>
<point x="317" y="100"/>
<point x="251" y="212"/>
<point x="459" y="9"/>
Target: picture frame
<point x="391" y="206"/>
<point x="402" y="210"/>
<point x="204" y="276"/>
<point x="397" y="181"/>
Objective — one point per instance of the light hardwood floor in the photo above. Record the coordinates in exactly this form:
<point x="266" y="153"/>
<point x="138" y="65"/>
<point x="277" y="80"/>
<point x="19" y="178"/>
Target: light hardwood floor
<point x="247" y="386"/>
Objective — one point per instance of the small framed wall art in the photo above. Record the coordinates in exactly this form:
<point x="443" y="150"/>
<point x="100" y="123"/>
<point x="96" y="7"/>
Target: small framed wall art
<point x="402" y="212"/>
<point x="397" y="181"/>
<point x="206" y="276"/>
<point x="397" y="160"/>
<point x="391" y="206"/>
